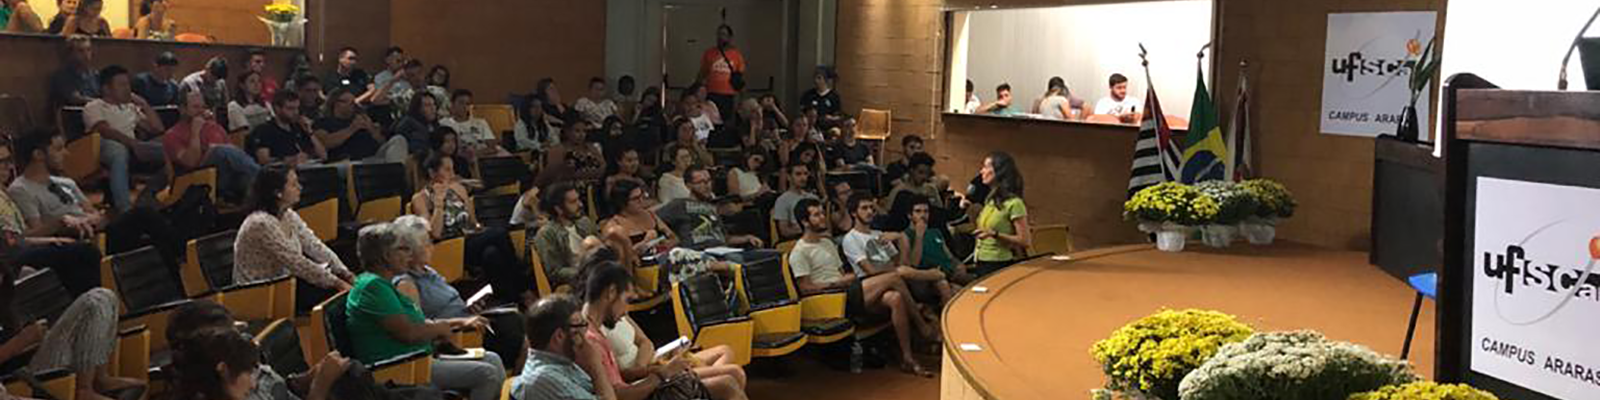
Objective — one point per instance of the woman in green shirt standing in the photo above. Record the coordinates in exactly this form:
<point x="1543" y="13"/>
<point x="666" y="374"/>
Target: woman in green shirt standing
<point x="1003" y="236"/>
<point x="384" y="324"/>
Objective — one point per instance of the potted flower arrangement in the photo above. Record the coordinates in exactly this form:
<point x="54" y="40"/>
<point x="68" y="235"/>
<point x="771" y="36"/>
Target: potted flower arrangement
<point x="1147" y="358"/>
<point x="1425" y="391"/>
<point x="1170" y="210"/>
<point x="1273" y="203"/>
<point x="1234" y="206"/>
<point x="1300" y="365"/>
<point x="280" y="19"/>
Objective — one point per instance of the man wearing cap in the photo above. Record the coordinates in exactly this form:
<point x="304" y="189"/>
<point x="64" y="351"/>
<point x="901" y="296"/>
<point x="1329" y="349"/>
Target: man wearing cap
<point x="211" y="82"/>
<point x="158" y="87"/>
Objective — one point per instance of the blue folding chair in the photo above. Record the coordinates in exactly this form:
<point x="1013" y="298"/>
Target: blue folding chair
<point x="1426" y="285"/>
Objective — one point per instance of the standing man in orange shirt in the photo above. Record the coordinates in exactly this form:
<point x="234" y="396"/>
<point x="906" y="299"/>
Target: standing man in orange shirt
<point x="722" y="70"/>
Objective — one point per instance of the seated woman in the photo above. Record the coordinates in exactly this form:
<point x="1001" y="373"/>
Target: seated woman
<point x="745" y="179"/>
<point x="448" y="208"/>
<point x="574" y="158"/>
<point x="446" y="142"/>
<point x="671" y="186"/>
<point x="274" y="241"/>
<point x="193" y="320"/>
<point x="247" y="110"/>
<point x="625" y="167"/>
<point x="533" y="131"/>
<point x="633" y="230"/>
<point x="81" y="340"/>
<point x="420" y="122"/>
<point x="439" y="300"/>
<point x="84" y="19"/>
<point x="153" y="23"/>
<point x="215" y="364"/>
<point x="384" y="324"/>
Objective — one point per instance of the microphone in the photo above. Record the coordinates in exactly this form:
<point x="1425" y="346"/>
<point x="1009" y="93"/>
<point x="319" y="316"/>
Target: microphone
<point x="1561" y="83"/>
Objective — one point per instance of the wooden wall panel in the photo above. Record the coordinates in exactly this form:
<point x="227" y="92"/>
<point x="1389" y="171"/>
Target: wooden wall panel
<point x="501" y="47"/>
<point x="230" y="21"/>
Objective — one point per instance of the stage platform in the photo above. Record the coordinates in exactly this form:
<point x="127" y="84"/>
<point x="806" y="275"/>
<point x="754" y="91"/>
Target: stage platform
<point x="1037" y="321"/>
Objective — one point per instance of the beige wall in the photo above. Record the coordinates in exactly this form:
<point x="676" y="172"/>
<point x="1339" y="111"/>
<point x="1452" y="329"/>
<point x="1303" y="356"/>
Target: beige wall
<point x="891" y="56"/>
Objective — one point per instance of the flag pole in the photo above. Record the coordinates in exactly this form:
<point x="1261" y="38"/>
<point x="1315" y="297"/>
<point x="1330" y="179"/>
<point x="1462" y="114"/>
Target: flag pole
<point x="1144" y="61"/>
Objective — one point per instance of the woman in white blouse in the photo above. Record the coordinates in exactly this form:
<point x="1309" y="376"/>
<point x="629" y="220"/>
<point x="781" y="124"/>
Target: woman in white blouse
<point x="247" y="111"/>
<point x="274" y="241"/>
<point x="671" y="185"/>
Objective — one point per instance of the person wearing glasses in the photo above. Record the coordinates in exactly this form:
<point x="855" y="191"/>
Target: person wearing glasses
<point x="699" y="221"/>
<point x="562" y="364"/>
<point x="383" y="323"/>
<point x="75" y="261"/>
<point x="53" y="205"/>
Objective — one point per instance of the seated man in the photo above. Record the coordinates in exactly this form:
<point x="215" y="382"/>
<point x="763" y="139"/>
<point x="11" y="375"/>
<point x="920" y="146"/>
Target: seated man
<point x="560" y="241"/>
<point x="54" y="205"/>
<point x="869" y="250"/>
<point x="816" y="267"/>
<point x="895" y="171"/>
<point x="120" y="118"/>
<point x="1118" y="104"/>
<point x="783" y="208"/>
<point x="474" y="133"/>
<point x="198" y="141"/>
<point x="605" y="303"/>
<point x="928" y="248"/>
<point x="918" y="180"/>
<point x="315" y="384"/>
<point x="698" y="222"/>
<point x="351" y="135"/>
<point x="159" y="86"/>
<point x="287" y="139"/>
<point x="562" y="363"/>
<point x="76" y="261"/>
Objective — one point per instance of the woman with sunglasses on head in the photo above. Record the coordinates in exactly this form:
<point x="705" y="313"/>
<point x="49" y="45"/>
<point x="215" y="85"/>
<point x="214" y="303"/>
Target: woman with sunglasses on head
<point x="383" y="323"/>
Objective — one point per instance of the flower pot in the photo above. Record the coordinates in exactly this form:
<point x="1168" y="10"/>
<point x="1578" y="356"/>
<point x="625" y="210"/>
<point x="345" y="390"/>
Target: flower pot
<point x="1171" y="239"/>
<point x="1258" y="233"/>
<point x="1218" y="236"/>
<point x="285" y="33"/>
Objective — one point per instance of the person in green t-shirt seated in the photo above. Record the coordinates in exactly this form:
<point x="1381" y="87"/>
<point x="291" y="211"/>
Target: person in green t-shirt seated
<point x="384" y="324"/>
<point x="928" y="249"/>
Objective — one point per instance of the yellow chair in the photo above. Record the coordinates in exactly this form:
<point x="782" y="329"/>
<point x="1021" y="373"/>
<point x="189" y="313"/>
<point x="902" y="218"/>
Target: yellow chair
<point x="148" y="295"/>
<point x="764" y="295"/>
<point x="208" y="264"/>
<point x="519" y="241"/>
<point x="541" y="281"/>
<point x="59" y="384"/>
<point x="648" y="277"/>
<point x="203" y="176"/>
<point x="501" y="117"/>
<point x="323" y="219"/>
<point x="379" y="191"/>
<point x="822" y="315"/>
<point x="328" y="331"/>
<point x="874" y="124"/>
<point x="1053" y="238"/>
<point x="84" y="157"/>
<point x="704" y="317"/>
<point x="449" y="258"/>
<point x="259" y="301"/>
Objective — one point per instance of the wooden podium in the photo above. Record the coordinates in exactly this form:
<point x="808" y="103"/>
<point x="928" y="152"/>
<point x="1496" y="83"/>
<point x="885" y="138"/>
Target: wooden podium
<point x="1519" y="165"/>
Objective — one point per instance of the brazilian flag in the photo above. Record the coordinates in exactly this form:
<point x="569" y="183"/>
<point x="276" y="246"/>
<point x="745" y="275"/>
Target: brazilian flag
<point x="1205" y="154"/>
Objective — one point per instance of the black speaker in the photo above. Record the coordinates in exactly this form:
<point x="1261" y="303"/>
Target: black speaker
<point x="1589" y="56"/>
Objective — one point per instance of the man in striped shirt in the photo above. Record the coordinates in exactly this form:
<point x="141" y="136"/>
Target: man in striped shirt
<point x="561" y="365"/>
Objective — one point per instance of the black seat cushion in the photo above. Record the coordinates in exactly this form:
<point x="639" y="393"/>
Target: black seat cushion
<point x="318" y="184"/>
<point x="776" y="340"/>
<point x="333" y="314"/>
<point x="500" y="171"/>
<point x="495" y="211"/>
<point x="41" y="296"/>
<point x="765" y="285"/>
<point x="215" y="253"/>
<point x="144" y="281"/>
<point x="825" y="327"/>
<point x="377" y="181"/>
<point x="280" y="348"/>
<point x="707" y="305"/>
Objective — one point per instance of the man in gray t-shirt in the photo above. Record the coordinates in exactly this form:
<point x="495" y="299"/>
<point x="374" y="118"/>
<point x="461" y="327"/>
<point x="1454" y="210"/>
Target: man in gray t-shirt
<point x="47" y="201"/>
<point x="783" y="208"/>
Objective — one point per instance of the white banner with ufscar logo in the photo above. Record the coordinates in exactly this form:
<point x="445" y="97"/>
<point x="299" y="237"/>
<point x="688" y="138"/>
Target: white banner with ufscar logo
<point x="1366" y="71"/>
<point x="1535" y="294"/>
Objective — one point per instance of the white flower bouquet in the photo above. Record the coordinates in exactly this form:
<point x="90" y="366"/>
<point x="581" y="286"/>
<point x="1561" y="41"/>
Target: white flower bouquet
<point x="1301" y="365"/>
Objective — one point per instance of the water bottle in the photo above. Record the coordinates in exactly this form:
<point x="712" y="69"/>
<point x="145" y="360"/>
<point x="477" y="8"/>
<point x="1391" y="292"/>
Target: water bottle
<point x="855" y="357"/>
